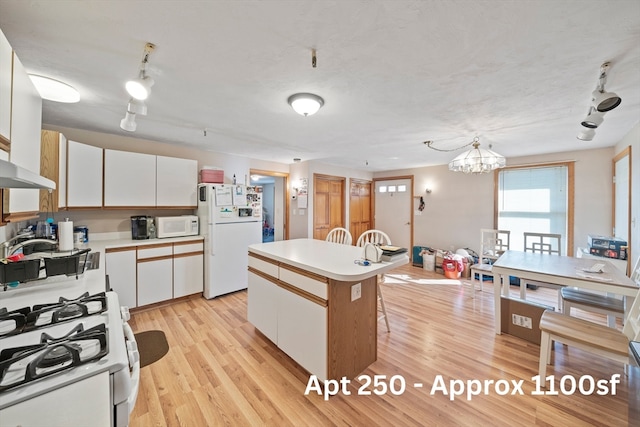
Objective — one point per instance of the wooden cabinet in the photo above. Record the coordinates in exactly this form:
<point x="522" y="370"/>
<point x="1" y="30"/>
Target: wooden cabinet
<point x="188" y="268"/>
<point x="26" y="121"/>
<point x="6" y="59"/>
<point x="120" y="266"/>
<point x="155" y="273"/>
<point x="84" y="173"/>
<point x="176" y="182"/>
<point x="129" y="179"/>
<point x="53" y="165"/>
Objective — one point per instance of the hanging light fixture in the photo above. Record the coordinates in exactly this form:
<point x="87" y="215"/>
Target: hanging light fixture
<point x="604" y="101"/>
<point x="477" y="160"/>
<point x="140" y="87"/>
<point x="305" y="104"/>
<point x="137" y="107"/>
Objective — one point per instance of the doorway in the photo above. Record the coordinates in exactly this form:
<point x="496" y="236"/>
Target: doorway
<point x="328" y="204"/>
<point x="393" y="207"/>
<point x="622" y="199"/>
<point x="275" y="203"/>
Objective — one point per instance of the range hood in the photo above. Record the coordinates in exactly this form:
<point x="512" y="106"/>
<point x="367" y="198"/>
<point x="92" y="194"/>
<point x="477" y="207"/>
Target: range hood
<point x="12" y="176"/>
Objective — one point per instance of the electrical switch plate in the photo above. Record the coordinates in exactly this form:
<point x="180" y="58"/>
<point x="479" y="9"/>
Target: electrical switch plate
<point x="356" y="291"/>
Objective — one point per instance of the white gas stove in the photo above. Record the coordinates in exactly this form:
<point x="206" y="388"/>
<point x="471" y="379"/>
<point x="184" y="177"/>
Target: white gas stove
<point x="63" y="350"/>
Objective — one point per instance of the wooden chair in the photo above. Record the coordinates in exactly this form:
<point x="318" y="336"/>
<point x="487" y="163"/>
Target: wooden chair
<point x="377" y="237"/>
<point x="493" y="243"/>
<point x="598" y="303"/>
<point x="542" y="243"/>
<point x="340" y="235"/>
<point x="588" y="336"/>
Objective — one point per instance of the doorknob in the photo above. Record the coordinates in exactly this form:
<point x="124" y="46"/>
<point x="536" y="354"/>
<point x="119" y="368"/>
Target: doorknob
<point x="408" y="223"/>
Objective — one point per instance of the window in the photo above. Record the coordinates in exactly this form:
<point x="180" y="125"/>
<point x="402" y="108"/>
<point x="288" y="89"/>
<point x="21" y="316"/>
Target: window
<point x="536" y="199"/>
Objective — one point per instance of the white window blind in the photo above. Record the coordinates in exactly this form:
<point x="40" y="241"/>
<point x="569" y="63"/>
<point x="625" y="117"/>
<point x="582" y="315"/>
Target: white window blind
<point x="533" y="200"/>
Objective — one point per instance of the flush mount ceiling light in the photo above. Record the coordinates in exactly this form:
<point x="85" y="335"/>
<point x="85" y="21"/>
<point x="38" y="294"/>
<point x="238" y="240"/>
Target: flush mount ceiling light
<point x="54" y="90"/>
<point x="129" y="122"/>
<point x="604" y="101"/>
<point x="305" y="104"/>
<point x="140" y="87"/>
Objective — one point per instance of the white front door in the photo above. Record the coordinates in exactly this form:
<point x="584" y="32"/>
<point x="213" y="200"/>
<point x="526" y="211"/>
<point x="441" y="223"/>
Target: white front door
<point x="393" y="210"/>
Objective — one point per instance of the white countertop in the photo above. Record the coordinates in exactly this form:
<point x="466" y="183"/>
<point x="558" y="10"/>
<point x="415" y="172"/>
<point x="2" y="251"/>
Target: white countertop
<point x="332" y="260"/>
<point x="92" y="281"/>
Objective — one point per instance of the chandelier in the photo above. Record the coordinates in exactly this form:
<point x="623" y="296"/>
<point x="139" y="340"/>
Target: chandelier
<point x="476" y="160"/>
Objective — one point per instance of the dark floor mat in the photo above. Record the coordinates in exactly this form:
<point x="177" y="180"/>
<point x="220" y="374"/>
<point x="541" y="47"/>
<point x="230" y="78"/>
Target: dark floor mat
<point x="152" y="346"/>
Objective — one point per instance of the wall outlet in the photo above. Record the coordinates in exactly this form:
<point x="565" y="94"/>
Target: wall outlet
<point x="356" y="291"/>
<point x="522" y="321"/>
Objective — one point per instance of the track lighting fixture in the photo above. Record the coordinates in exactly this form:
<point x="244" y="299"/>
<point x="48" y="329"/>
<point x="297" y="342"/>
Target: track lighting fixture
<point x="604" y="101"/>
<point x="129" y="122"/>
<point x="586" y="135"/>
<point x="139" y="90"/>
<point x="140" y="87"/>
<point x="601" y="102"/>
<point x="593" y="119"/>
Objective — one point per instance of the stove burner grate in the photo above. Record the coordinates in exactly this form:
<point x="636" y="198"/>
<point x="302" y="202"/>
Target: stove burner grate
<point x="21" y="365"/>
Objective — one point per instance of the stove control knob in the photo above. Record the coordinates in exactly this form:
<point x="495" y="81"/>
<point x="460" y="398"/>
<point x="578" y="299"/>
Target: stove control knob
<point x="125" y="313"/>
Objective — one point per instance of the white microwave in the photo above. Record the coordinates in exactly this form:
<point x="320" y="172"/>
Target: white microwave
<point x="176" y="226"/>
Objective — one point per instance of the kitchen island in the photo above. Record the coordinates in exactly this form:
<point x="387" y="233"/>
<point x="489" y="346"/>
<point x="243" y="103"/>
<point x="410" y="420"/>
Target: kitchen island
<point x="316" y="304"/>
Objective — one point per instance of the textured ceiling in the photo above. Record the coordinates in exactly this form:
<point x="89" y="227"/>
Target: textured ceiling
<point x="392" y="73"/>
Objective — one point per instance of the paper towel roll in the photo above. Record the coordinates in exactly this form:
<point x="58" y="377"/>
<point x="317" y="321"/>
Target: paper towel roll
<point x="65" y="236"/>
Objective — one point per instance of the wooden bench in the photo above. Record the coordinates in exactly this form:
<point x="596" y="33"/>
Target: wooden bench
<point x="588" y="336"/>
<point x="577" y="298"/>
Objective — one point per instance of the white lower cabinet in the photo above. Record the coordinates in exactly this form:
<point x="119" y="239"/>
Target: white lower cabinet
<point x="120" y="266"/>
<point x="295" y="324"/>
<point x="146" y="274"/>
<point x="155" y="273"/>
<point x="155" y="281"/>
<point x="262" y="298"/>
<point x="302" y="332"/>
<point x="188" y="272"/>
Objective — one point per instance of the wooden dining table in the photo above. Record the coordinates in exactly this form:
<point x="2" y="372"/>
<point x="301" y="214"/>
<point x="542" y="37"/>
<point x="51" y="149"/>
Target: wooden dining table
<point x="559" y="270"/>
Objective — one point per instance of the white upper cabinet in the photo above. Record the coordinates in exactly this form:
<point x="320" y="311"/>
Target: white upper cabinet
<point x="84" y="173"/>
<point x="177" y="181"/>
<point x="129" y="179"/>
<point x="26" y="121"/>
<point x="6" y="56"/>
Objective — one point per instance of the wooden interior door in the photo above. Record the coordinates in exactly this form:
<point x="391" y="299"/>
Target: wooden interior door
<point x="328" y="204"/>
<point x="359" y="207"/>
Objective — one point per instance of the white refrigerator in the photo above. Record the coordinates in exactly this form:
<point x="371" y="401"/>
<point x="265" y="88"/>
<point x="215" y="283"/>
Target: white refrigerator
<point x="230" y="219"/>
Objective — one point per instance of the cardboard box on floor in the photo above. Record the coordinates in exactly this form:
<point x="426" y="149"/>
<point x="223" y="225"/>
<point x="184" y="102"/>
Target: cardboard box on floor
<point x="522" y="318"/>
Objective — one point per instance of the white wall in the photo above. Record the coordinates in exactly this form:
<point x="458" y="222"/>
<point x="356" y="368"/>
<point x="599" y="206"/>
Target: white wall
<point x="633" y="139"/>
<point x="460" y="205"/>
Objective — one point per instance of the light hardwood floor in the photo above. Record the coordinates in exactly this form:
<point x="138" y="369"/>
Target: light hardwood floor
<point x="221" y="371"/>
